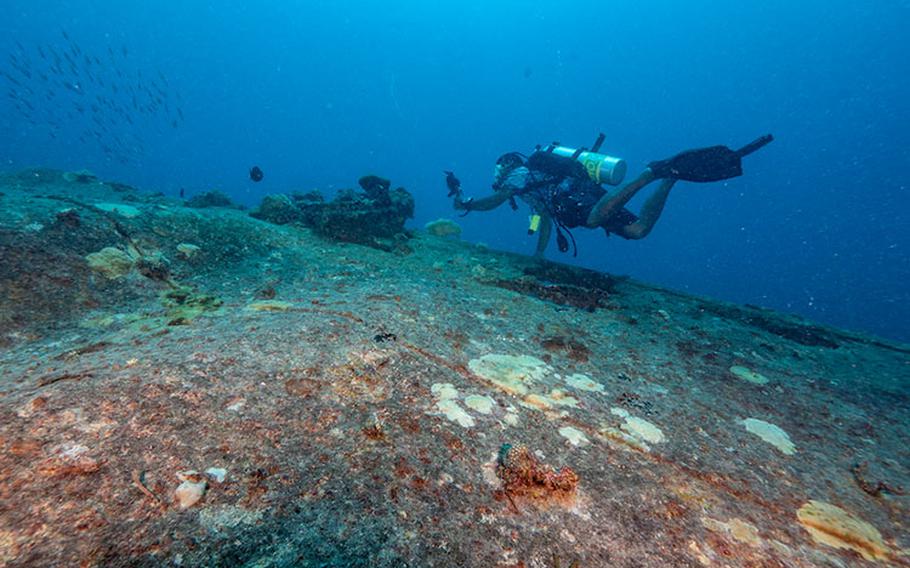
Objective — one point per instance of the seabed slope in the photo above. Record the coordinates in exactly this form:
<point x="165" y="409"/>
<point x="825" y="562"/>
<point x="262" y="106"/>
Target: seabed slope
<point x="276" y="399"/>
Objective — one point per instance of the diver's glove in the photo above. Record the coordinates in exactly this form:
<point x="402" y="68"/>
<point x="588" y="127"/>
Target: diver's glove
<point x="714" y="163"/>
<point x="461" y="205"/>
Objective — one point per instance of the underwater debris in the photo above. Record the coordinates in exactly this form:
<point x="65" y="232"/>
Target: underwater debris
<point x="212" y="198"/>
<point x="138" y="478"/>
<point x="154" y="266"/>
<point x="374" y="217"/>
<point x="556" y="273"/>
<point x="184" y="305"/>
<point x="121" y="187"/>
<point x="573" y="348"/>
<point x="874" y="489"/>
<point x="804" y="334"/>
<point x="278" y="209"/>
<point x="111" y="262"/>
<point x="523" y="475"/>
<point x="443" y="228"/>
<point x="374" y="428"/>
<point x="562" y="294"/>
<point x="563" y="285"/>
<point x="69" y="217"/>
<point x="191" y="489"/>
<point x="81" y="176"/>
<point x="383" y="337"/>
<point x="187" y="251"/>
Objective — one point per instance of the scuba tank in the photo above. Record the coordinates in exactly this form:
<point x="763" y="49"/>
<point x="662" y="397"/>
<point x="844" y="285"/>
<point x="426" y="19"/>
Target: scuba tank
<point x="600" y="167"/>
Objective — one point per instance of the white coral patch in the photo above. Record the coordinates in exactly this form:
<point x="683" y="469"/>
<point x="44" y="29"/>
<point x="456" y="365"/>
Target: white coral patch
<point x="748" y="375"/>
<point x="573" y="435"/>
<point x="510" y="373"/>
<point x="770" y="433"/>
<point x="127" y="211"/>
<point x="639" y="428"/>
<point x="584" y="382"/>
<point x="479" y="403"/>
<point x="447" y="404"/>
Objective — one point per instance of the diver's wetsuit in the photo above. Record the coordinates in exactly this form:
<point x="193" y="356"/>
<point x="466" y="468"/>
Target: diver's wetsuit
<point x="569" y="201"/>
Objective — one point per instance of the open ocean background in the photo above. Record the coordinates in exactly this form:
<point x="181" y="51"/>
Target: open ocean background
<point x="318" y="94"/>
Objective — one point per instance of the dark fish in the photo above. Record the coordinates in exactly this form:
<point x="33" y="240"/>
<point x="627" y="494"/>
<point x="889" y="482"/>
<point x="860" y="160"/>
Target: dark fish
<point x="453" y="183"/>
<point x="255" y="173"/>
<point x="182" y="192"/>
<point x="41" y="52"/>
<point x="66" y="36"/>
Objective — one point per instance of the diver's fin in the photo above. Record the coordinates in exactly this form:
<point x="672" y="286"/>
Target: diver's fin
<point x="755" y="145"/>
<point x="714" y="163"/>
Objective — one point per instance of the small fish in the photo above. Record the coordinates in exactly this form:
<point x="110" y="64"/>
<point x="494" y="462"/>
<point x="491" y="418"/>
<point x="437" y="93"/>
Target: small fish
<point x="255" y="173"/>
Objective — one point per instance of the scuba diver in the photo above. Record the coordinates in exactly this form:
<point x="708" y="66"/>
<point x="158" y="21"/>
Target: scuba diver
<point x="563" y="188"/>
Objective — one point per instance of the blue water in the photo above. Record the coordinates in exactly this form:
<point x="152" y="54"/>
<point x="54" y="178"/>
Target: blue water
<point x="318" y="95"/>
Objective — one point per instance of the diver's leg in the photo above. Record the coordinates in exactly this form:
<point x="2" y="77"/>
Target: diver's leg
<point x="650" y="212"/>
<point x="608" y="205"/>
<point x="543" y="235"/>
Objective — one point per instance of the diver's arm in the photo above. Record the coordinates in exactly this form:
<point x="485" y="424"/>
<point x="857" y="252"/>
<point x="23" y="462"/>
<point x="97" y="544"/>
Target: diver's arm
<point x="543" y="234"/>
<point x="484" y="203"/>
